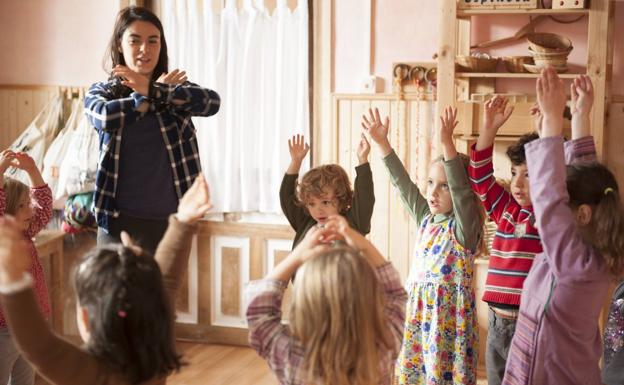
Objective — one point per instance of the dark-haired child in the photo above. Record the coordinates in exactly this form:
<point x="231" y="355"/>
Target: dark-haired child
<point x="125" y="305"/>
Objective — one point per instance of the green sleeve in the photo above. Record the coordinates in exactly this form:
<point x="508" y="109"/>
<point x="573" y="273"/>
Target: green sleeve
<point x="295" y="214"/>
<point x="413" y="200"/>
<point x="465" y="206"/>
<point x="361" y="210"/>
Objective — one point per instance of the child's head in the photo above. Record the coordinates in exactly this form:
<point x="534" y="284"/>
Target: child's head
<point x="595" y="196"/>
<point x="439" y="194"/>
<point x="18" y="202"/>
<point x="519" y="185"/>
<point x="337" y="314"/>
<point x="325" y="191"/>
<point x="124" y="314"/>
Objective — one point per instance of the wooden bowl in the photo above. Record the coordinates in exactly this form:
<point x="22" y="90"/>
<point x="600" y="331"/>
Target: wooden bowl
<point x="476" y="64"/>
<point x="515" y="64"/>
<point x="534" y="69"/>
<point x="549" y="42"/>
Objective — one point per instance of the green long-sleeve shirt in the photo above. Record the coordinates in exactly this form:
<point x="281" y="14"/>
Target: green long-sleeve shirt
<point x="358" y="215"/>
<point x="465" y="206"/>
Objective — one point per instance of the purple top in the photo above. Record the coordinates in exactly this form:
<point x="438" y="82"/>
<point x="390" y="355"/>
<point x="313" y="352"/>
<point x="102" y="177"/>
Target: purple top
<point x="557" y="340"/>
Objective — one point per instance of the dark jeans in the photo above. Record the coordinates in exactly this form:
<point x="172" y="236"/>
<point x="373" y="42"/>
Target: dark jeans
<point x="147" y="233"/>
<point x="500" y="333"/>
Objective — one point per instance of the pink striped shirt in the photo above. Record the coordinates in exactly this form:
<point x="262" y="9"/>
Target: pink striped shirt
<point x="42" y="199"/>
<point x="274" y="342"/>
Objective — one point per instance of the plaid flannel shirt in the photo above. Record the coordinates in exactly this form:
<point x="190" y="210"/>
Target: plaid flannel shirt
<point x="274" y="341"/>
<point x="174" y="105"/>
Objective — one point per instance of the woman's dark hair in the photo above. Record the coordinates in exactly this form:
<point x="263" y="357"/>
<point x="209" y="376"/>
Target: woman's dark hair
<point x="515" y="152"/>
<point x="130" y="315"/>
<point x="114" y="56"/>
<point x="592" y="183"/>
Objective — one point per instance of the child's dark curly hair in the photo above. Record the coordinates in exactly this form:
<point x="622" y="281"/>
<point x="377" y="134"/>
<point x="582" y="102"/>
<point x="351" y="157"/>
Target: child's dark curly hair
<point x="318" y="178"/>
<point x="515" y="152"/>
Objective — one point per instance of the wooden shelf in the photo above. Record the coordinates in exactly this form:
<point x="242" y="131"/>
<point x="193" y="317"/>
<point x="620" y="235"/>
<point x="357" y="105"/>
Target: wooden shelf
<point x="532" y="12"/>
<point x="508" y="75"/>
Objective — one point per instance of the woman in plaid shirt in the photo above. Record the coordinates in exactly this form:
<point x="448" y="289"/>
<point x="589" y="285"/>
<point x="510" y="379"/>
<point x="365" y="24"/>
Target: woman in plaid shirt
<point x="347" y="314"/>
<point x="148" y="148"/>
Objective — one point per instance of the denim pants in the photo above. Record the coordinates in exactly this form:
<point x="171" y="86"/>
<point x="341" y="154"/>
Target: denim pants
<point x="500" y="333"/>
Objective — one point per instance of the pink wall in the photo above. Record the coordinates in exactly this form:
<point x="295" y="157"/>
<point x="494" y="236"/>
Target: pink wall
<point x="407" y="30"/>
<point x="59" y="42"/>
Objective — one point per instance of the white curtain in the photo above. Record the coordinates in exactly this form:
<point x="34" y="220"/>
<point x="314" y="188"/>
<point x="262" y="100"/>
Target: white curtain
<point x="258" y="63"/>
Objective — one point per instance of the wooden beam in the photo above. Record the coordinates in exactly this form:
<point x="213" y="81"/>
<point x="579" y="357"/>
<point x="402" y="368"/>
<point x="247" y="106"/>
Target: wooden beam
<point x="597" y="59"/>
<point x="324" y="139"/>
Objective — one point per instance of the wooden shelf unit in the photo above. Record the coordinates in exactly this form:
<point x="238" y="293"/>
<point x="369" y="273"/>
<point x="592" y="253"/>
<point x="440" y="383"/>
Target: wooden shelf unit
<point x="454" y="86"/>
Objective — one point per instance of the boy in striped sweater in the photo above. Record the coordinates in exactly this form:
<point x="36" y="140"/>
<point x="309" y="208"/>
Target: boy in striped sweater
<point x="516" y="241"/>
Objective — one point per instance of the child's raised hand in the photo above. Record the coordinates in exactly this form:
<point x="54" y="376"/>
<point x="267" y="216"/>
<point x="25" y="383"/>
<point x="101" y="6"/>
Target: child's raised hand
<point x="552" y="99"/>
<point x="23" y="161"/>
<point x="363" y="149"/>
<point x="582" y="91"/>
<point x="373" y="125"/>
<point x="195" y="202"/>
<point x="6" y="160"/>
<point x="496" y="113"/>
<point x="298" y="148"/>
<point x="14" y="254"/>
<point x="448" y="122"/>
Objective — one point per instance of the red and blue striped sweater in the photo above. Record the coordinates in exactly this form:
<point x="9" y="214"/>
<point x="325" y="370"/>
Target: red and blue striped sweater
<point x="512" y="254"/>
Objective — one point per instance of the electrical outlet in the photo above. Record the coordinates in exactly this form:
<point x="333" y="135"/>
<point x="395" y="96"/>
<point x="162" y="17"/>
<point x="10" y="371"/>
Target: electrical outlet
<point x="566" y="4"/>
<point x="369" y="84"/>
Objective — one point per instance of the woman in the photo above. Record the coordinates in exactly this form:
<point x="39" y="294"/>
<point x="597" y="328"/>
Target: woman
<point x="148" y="148"/>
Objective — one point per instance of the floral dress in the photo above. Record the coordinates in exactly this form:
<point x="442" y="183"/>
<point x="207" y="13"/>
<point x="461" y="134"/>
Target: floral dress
<point x="440" y="342"/>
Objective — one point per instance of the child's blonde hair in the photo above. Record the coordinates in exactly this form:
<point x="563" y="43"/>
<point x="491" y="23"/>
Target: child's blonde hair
<point x="330" y="175"/>
<point x="482" y="247"/>
<point x="337" y="314"/>
<point x="14" y="190"/>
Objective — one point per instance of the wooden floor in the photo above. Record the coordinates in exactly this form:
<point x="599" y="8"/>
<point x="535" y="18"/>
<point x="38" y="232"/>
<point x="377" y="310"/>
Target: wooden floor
<point x="219" y="364"/>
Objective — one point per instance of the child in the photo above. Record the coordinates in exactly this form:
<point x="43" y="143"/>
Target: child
<point x="326" y="191"/>
<point x="581" y="222"/>
<point x="440" y="338"/>
<point x="517" y="240"/>
<point x="125" y="305"/>
<point x="347" y="311"/>
<point x="32" y="210"/>
<point x="613" y="371"/>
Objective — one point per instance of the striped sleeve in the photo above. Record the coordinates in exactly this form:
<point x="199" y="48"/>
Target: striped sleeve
<point x="187" y="97"/>
<point x="267" y="334"/>
<point x="580" y="150"/>
<point x="108" y="114"/>
<point x="481" y="175"/>
<point x="396" y="298"/>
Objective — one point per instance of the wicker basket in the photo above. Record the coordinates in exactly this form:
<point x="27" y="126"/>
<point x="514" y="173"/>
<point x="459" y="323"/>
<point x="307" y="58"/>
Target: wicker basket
<point x="556" y="59"/>
<point x="515" y="64"/>
<point x="549" y="43"/>
<point x="476" y="64"/>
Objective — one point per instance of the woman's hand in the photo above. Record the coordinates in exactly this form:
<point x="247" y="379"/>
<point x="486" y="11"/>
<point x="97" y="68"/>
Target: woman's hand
<point x="139" y="83"/>
<point x="174" y="77"/>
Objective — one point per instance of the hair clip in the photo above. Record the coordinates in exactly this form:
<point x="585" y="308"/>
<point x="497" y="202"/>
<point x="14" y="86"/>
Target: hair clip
<point x="122" y="314"/>
<point x="608" y="190"/>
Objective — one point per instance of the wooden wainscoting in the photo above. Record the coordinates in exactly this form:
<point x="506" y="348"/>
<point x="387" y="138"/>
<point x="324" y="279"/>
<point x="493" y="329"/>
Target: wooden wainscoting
<point x="225" y="257"/>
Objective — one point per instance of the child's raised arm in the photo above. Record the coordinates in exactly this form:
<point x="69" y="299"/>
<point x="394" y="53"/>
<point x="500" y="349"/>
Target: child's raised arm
<point x="448" y="122"/>
<point x="582" y="92"/>
<point x="495" y="114"/>
<point x="6" y="159"/>
<point x="378" y="130"/>
<point x="298" y="150"/>
<point x="363" y="150"/>
<point x="414" y="202"/>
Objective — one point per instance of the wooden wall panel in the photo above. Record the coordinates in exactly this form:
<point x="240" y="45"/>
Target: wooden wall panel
<point x="230" y="281"/>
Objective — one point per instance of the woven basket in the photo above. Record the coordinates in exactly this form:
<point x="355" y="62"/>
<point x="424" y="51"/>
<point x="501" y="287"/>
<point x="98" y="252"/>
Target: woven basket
<point x="476" y="64"/>
<point x="549" y="43"/>
<point x="515" y="64"/>
<point x="556" y="59"/>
